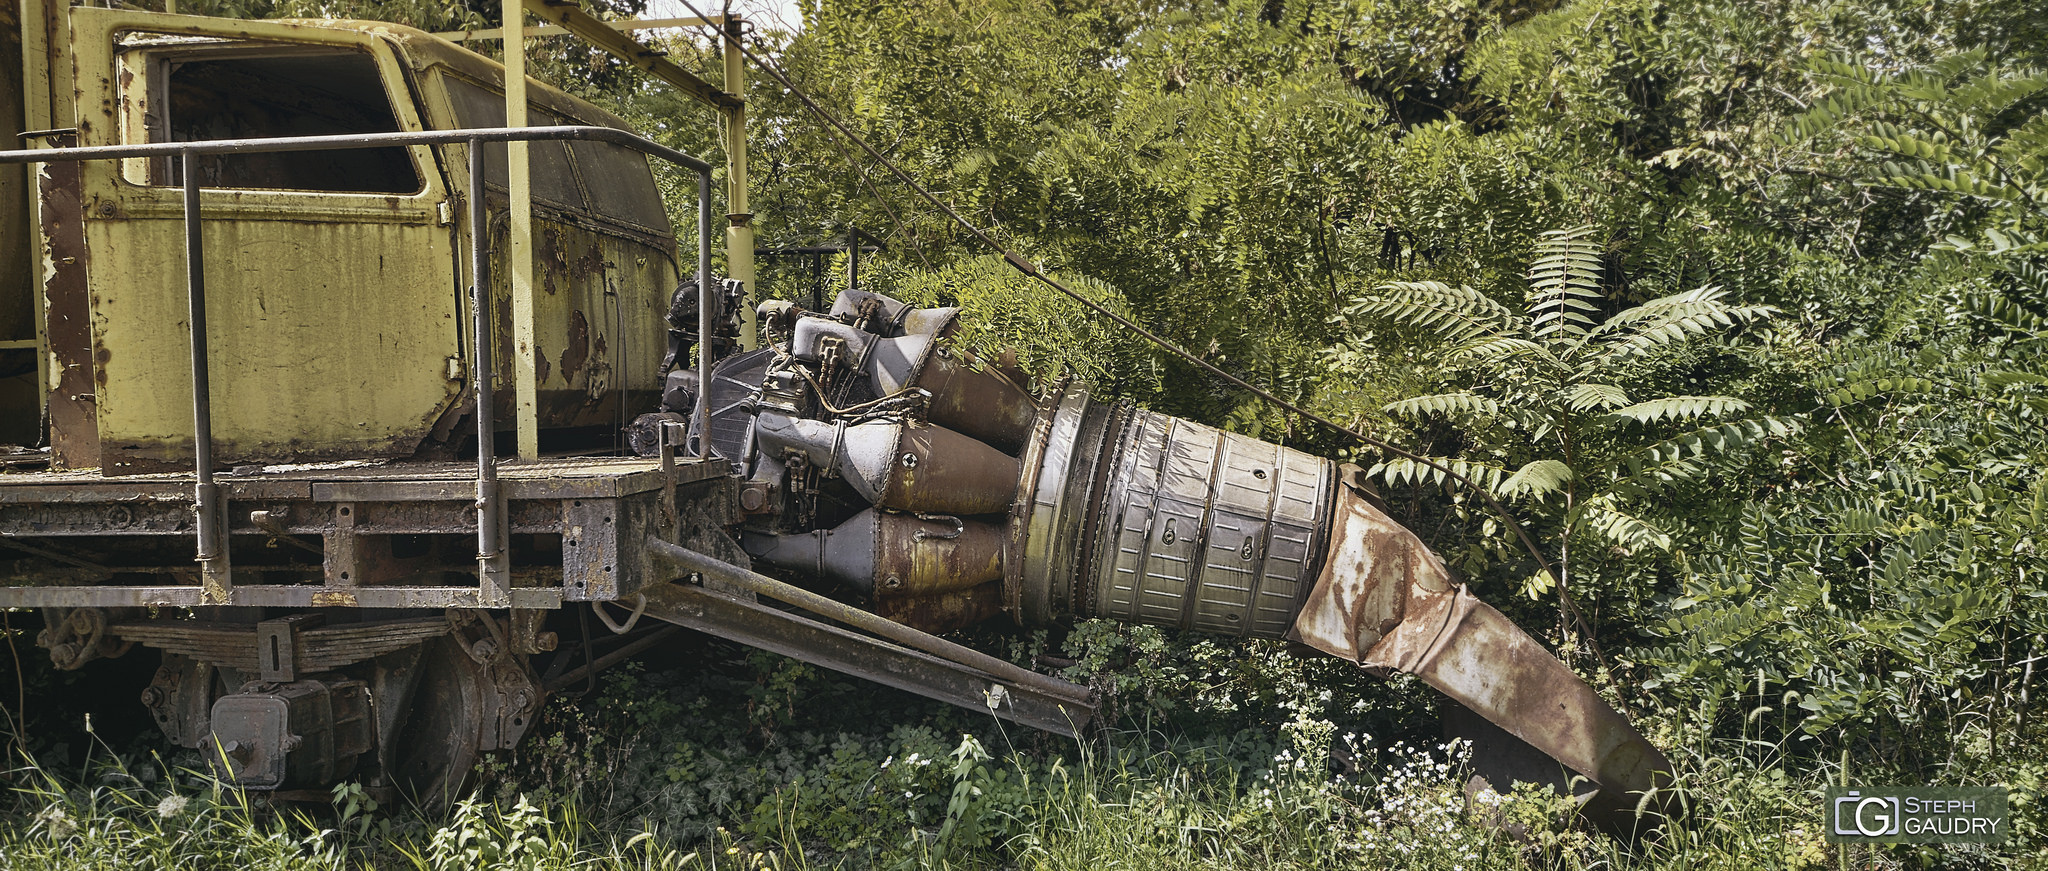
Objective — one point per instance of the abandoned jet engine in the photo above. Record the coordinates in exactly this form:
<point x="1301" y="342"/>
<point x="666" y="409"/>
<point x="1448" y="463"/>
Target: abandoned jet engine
<point x="935" y="486"/>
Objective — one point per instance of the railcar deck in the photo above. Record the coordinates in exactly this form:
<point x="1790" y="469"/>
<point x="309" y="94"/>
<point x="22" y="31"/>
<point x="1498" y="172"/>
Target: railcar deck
<point x="371" y="534"/>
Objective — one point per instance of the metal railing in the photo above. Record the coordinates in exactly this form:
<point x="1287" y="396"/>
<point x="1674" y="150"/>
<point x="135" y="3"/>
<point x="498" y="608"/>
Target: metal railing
<point x="493" y="569"/>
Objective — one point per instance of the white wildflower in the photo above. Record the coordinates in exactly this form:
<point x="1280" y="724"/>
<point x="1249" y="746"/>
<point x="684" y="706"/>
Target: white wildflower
<point x="58" y="823"/>
<point x="172" y="805"/>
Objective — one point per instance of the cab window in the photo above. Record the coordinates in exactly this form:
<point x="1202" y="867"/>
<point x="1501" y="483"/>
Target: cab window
<point x="276" y="91"/>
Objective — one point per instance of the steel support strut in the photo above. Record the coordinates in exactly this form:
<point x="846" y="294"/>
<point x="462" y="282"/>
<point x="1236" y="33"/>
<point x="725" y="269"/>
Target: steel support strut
<point x="903" y="657"/>
<point x="215" y="576"/>
<point x="492" y="563"/>
<point x="706" y="300"/>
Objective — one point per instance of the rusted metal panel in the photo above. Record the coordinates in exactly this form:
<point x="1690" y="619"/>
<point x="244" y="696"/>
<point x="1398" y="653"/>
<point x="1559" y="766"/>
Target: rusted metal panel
<point x="944" y="612"/>
<point x="67" y="316"/>
<point x="271" y="596"/>
<point x="1384" y="601"/>
<point x="1364" y="587"/>
<point x="598" y="310"/>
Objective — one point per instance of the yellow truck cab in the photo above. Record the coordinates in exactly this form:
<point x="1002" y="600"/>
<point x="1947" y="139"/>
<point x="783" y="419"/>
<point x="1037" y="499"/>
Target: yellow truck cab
<point x="338" y="286"/>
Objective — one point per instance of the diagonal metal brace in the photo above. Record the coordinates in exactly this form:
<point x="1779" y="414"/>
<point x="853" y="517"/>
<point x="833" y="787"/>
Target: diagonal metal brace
<point x="1020" y="696"/>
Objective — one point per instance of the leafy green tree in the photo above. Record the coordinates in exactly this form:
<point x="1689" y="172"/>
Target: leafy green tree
<point x="1544" y="398"/>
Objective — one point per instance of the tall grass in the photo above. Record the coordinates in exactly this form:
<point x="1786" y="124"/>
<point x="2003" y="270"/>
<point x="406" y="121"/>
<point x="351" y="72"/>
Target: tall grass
<point x="1125" y="803"/>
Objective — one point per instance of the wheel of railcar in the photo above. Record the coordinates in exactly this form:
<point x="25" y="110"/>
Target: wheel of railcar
<point x="437" y="745"/>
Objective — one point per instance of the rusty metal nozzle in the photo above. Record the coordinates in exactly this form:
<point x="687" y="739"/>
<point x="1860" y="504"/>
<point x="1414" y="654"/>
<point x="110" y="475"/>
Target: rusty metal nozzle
<point x="1145" y="518"/>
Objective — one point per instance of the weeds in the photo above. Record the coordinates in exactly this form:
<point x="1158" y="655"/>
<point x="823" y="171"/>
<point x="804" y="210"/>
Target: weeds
<point x="675" y="770"/>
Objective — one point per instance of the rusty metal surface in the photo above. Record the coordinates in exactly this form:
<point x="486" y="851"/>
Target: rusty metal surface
<point x="1384" y="601"/>
<point x="271" y="596"/>
<point x="691" y="561"/>
<point x="586" y="501"/>
<point x="927" y="554"/>
<point x="971" y="398"/>
<point x="941" y="471"/>
<point x="324" y="648"/>
<point x="1475" y="655"/>
<point x="1364" y="587"/>
<point x="278" y="735"/>
<point x="944" y="612"/>
<point x="180" y="698"/>
<point x="67" y="316"/>
<point x="1050" y="705"/>
<point x="78" y="635"/>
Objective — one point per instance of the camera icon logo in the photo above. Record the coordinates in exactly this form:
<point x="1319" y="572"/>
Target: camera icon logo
<point x="1872" y="816"/>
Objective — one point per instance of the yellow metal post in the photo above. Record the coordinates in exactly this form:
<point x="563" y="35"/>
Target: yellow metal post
<point x="525" y="389"/>
<point x="739" y="234"/>
<point x="36" y="115"/>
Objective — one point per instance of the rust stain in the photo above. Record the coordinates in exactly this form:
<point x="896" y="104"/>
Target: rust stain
<point x="938" y="470"/>
<point x="578" y="352"/>
<point x="74" y="414"/>
<point x="334" y="599"/>
<point x="1367" y="584"/>
<point x="977" y="403"/>
<point x="592" y="261"/>
<point x="919" y="557"/>
<point x="944" y="612"/>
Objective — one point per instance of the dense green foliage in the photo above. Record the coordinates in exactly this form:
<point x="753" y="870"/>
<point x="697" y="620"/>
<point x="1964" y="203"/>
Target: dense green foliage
<point x="1740" y="306"/>
<point x="1773" y="408"/>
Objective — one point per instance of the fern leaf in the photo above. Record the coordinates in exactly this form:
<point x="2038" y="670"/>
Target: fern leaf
<point x="1455" y="313"/>
<point x="1563" y="276"/>
<point x="1444" y="404"/>
<point x="1668" y="320"/>
<point x="1539" y="478"/>
<point x="1583" y="397"/>
<point x="1405" y="471"/>
<point x="1626" y="531"/>
<point x="1861" y="390"/>
<point x="1682" y="457"/>
<point x="1496" y="349"/>
<point x="1680" y="407"/>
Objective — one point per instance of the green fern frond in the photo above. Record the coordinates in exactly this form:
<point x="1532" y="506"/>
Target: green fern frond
<point x="1681" y="457"/>
<point x="1539" y="478"/>
<point x="1626" y="531"/>
<point x="1445" y="404"/>
<point x="1588" y="396"/>
<point x="1455" y="313"/>
<point x="1669" y="323"/>
<point x="1498" y="349"/>
<point x="2003" y="313"/>
<point x="1405" y="471"/>
<point x="1563" y="276"/>
<point x="1680" y="408"/>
